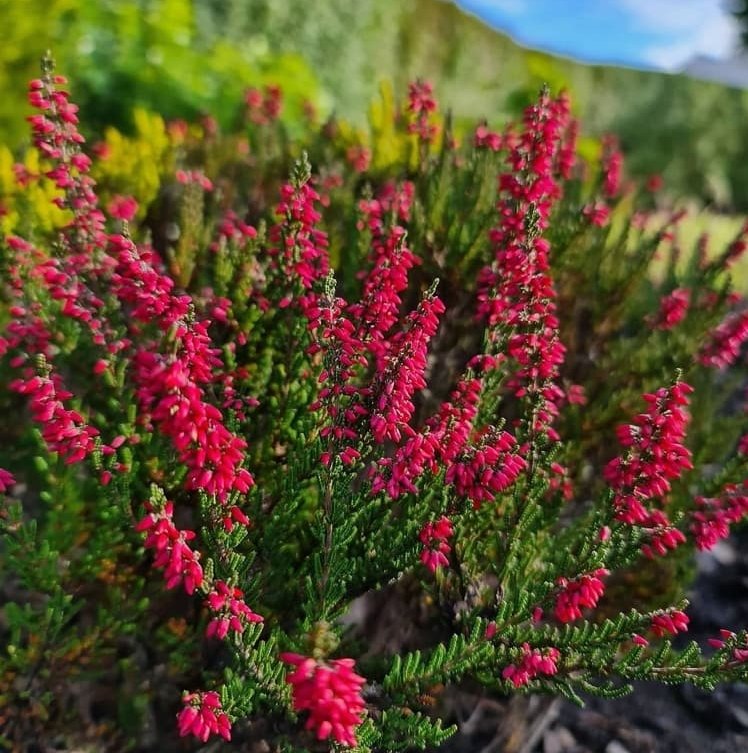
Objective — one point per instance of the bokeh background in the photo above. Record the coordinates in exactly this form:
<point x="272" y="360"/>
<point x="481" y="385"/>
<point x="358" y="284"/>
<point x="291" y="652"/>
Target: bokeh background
<point x="184" y="57"/>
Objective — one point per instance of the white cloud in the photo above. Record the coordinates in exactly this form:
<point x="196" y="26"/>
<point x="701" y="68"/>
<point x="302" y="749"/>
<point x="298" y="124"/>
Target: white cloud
<point x="688" y="27"/>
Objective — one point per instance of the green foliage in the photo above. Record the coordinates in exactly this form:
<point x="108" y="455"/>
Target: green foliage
<point x="261" y="346"/>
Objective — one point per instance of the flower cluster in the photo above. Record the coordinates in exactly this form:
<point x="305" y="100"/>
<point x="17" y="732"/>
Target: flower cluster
<point x="670" y="623"/>
<point x="202" y="716"/>
<point x="673" y="308"/>
<point x="579" y="593"/>
<point x="7" y="480"/>
<point x="421" y="104"/>
<point x="726" y="341"/>
<point x="232" y="230"/>
<point x="533" y="663"/>
<point x="299" y="245"/>
<point x="516" y="295"/>
<point x="485" y="138"/>
<point x="331" y="693"/>
<point x="180" y="562"/>
<point x="739" y="652"/>
<point x="64" y="430"/>
<point x="434" y="537"/>
<point x="230" y="612"/>
<point x="612" y="166"/>
<point x="264" y="107"/>
<point x="55" y="134"/>
<point x="656" y="456"/>
<point x="194" y="178"/>
<point x="403" y="373"/>
<point x="170" y="395"/>
<point x="713" y="517"/>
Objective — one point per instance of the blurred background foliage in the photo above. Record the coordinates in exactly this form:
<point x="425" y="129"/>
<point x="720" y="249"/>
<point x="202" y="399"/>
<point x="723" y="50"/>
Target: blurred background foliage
<point x="181" y="58"/>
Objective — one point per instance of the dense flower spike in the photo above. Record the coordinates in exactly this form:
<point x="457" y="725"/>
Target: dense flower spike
<point x="726" y="341"/>
<point x="169" y="387"/>
<point x="331" y="693"/>
<point x="421" y="104"/>
<point x="673" y="309"/>
<point x="533" y="663"/>
<point x="202" y="716"/>
<point x="713" y="517"/>
<point x="434" y="537"/>
<point x="656" y="456"/>
<point x="55" y="134"/>
<point x="387" y="278"/>
<point x="64" y="430"/>
<point x="180" y="563"/>
<point x="612" y="165"/>
<point x="516" y="296"/>
<point x="298" y="244"/>
<point x="404" y="372"/>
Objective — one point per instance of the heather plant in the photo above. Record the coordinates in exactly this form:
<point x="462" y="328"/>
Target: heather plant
<point x="282" y="385"/>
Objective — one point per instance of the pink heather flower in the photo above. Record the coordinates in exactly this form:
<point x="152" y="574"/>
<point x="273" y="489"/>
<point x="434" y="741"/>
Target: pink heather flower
<point x="596" y="214"/>
<point x="300" y="247"/>
<point x="713" y="518"/>
<point x="169" y="392"/>
<point x="402" y="373"/>
<point x="533" y="663"/>
<point x="567" y="152"/>
<point x="123" y="208"/>
<point x="726" y="341"/>
<point x="64" y="430"/>
<point x="7" y="480"/>
<point x="397" y="199"/>
<point x="516" y="296"/>
<point x="230" y="613"/>
<point x="187" y="177"/>
<point x="330" y="692"/>
<point x="733" y="252"/>
<point x="421" y="104"/>
<point x="612" y="164"/>
<point x="639" y="640"/>
<point x="725" y="635"/>
<point x="232" y="232"/>
<point x="673" y="308"/>
<point x="202" y="716"/>
<point x="172" y="552"/>
<point x="580" y="593"/>
<point x="669" y="623"/>
<point x="655" y="456"/>
<point x="739" y="653"/>
<point x="264" y="108"/>
<point x="434" y="537"/>
<point x="380" y="305"/>
<point x="358" y="157"/>
<point x="487" y="468"/>
<point x="575" y="394"/>
<point x="170" y="385"/>
<point x="486" y="139"/>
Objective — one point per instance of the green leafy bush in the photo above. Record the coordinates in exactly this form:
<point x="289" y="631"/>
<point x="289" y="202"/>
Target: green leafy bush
<point x="253" y="390"/>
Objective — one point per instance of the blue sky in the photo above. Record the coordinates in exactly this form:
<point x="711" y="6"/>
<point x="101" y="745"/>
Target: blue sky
<point x="661" y="34"/>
